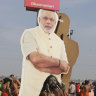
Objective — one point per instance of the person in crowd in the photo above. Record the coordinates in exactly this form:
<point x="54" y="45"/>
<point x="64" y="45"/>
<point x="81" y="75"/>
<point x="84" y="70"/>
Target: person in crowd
<point x="82" y="89"/>
<point x="95" y="90"/>
<point x="10" y="87"/>
<point x="6" y="85"/>
<point x="92" y="91"/>
<point x="15" y="85"/>
<point x="78" y="89"/>
<point x="51" y="87"/>
<point x="72" y="89"/>
<point x="0" y="87"/>
<point x="87" y="88"/>
<point x="94" y="87"/>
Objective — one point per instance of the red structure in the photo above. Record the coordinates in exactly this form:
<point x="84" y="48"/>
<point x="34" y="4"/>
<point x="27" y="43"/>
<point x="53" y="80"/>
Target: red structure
<point x="34" y="5"/>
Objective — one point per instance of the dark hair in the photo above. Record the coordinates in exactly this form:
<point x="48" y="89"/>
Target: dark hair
<point x="86" y="82"/>
<point x="47" y="81"/>
<point x="83" y="83"/>
<point x="11" y="75"/>
<point x="7" y="80"/>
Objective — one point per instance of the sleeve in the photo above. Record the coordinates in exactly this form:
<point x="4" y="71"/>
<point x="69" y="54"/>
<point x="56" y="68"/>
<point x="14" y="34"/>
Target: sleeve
<point x="28" y="44"/>
<point x="63" y="53"/>
<point x="64" y="56"/>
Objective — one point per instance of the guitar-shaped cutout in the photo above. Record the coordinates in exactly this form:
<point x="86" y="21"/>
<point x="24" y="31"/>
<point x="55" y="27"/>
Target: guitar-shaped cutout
<point x="71" y="46"/>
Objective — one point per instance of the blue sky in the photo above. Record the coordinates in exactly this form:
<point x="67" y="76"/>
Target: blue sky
<point x="14" y="19"/>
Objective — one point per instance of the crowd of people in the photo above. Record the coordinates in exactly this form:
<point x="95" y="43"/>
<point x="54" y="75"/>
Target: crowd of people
<point x="9" y="86"/>
<point x="86" y="88"/>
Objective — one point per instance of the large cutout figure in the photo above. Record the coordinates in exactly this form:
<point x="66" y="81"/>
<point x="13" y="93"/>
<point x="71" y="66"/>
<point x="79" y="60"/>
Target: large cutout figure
<point x="43" y="54"/>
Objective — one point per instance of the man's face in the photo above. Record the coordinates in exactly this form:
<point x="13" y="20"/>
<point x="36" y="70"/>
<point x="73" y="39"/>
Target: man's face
<point x="47" y="21"/>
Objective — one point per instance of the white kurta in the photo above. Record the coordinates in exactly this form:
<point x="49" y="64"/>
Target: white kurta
<point x="35" y="39"/>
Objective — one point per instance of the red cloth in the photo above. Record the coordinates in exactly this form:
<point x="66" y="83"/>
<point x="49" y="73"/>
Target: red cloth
<point x="77" y="87"/>
<point x="81" y="94"/>
<point x="4" y="94"/>
<point x="86" y="94"/>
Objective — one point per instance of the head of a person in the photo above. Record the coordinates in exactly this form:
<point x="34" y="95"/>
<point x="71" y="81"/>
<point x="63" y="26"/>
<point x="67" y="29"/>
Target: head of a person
<point x="87" y="82"/>
<point x="51" y="83"/>
<point x="12" y="76"/>
<point x="72" y="82"/>
<point x="47" y="20"/>
<point x="83" y="83"/>
<point x="7" y="81"/>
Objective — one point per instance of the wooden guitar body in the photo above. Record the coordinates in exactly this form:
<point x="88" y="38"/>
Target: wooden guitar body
<point x="71" y="46"/>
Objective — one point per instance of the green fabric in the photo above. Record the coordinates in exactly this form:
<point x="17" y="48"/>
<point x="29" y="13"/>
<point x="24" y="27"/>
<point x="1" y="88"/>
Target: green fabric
<point x="0" y="93"/>
<point x="0" y="86"/>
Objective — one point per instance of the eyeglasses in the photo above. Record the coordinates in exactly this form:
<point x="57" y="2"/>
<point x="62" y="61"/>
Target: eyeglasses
<point x="46" y="18"/>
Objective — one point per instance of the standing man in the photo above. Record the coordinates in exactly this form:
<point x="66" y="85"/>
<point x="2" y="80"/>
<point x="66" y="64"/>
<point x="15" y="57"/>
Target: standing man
<point x="72" y="89"/>
<point x="43" y="54"/>
<point x="87" y="88"/>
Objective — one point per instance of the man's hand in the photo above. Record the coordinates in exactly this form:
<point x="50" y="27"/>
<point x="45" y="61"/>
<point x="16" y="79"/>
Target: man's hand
<point x="64" y="66"/>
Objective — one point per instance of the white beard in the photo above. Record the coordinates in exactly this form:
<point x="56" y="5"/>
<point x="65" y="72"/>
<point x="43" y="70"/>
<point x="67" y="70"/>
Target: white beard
<point x="52" y="30"/>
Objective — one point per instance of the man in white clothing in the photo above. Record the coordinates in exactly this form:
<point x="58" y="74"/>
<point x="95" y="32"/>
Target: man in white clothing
<point x="72" y="89"/>
<point x="43" y="54"/>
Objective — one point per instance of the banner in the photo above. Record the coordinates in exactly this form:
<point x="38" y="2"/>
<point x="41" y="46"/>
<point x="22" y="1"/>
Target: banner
<point x="43" y="4"/>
